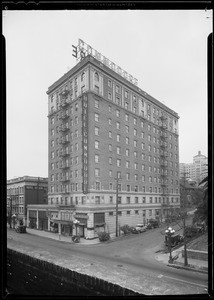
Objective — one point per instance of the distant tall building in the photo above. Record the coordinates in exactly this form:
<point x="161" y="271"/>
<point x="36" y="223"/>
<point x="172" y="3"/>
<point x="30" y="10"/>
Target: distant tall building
<point x="196" y="170"/>
<point x="103" y="127"/>
<point x="25" y="190"/>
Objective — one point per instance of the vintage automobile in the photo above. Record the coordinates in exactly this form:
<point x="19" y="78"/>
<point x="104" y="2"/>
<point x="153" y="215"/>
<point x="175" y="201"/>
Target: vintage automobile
<point x="133" y="230"/>
<point x="175" y="240"/>
<point x="141" y="227"/>
<point x="152" y="223"/>
<point x="21" y="229"/>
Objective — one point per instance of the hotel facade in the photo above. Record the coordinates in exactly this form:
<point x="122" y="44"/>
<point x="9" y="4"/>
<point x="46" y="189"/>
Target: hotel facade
<point x="107" y="137"/>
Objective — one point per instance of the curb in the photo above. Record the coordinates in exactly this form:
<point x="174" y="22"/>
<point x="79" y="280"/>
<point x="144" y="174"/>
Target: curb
<point x="189" y="268"/>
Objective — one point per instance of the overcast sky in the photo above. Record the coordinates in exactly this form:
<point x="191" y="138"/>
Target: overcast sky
<point x="165" y="50"/>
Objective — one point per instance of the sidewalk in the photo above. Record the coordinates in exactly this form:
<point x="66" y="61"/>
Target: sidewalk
<point x="61" y="238"/>
<point x="193" y="264"/>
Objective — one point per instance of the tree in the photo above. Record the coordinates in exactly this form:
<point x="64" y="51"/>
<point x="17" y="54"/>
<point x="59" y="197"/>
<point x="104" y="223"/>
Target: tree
<point x="201" y="214"/>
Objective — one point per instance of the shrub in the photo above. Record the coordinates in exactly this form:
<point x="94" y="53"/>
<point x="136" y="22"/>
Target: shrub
<point x="103" y="236"/>
<point x="125" y="229"/>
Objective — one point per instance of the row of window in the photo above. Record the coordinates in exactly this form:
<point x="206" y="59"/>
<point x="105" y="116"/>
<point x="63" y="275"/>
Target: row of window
<point x="112" y="187"/>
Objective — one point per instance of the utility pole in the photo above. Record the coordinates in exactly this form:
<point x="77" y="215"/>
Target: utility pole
<point x="184" y="221"/>
<point x="117" y="205"/>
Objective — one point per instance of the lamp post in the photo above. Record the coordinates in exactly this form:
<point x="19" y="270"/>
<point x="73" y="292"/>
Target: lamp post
<point x="76" y="223"/>
<point x="169" y="232"/>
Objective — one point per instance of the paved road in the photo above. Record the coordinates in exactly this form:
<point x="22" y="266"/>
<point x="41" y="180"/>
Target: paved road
<point x="133" y="256"/>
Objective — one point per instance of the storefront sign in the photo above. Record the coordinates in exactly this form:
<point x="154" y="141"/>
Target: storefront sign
<point x="85" y="143"/>
<point x="83" y="49"/>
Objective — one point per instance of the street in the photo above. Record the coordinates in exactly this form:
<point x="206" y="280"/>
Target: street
<point x="132" y="257"/>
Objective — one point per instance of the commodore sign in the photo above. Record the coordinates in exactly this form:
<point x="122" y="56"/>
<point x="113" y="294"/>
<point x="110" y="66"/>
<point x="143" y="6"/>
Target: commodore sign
<point x="83" y="49"/>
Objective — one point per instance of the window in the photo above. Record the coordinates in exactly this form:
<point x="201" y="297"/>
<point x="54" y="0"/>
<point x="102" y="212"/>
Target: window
<point x="143" y="178"/>
<point x="76" y="107"/>
<point x="127" y="140"/>
<point x="149" y="127"/>
<point x="128" y="212"/>
<point x="52" y="120"/>
<point x="118" y="100"/>
<point x="110" y="173"/>
<point x="127" y="152"/>
<point x="97" y="199"/>
<point x="150" y="178"/>
<point x="97" y="158"/>
<point x="111" y="199"/>
<point x="126" y="94"/>
<point x="128" y="200"/>
<point x="97" y="185"/>
<point x="126" y="105"/>
<point x="118" y="113"/>
<point x="127" y="128"/>
<point x="110" y="186"/>
<point x="136" y="166"/>
<point x="110" y="147"/>
<point x="135" y="121"/>
<point x="118" y="162"/>
<point x="119" y="200"/>
<point x="127" y="176"/>
<point x="143" y="146"/>
<point x="96" y="76"/>
<point x="136" y="200"/>
<point x="126" y="117"/>
<point x="127" y="164"/>
<point x="97" y="172"/>
<point x="135" y="143"/>
<point x="136" y="212"/>
<point x="109" y="96"/>
<point x="144" y="199"/>
<point x="118" y="125"/>
<point x="135" y="132"/>
<point x="96" y="103"/>
<point x="117" y="89"/>
<point x="150" y="199"/>
<point x="96" y="117"/>
<point x="110" y="160"/>
<point x="109" y="83"/>
<point x="118" y="150"/>
<point x="97" y="144"/>
<point x="96" y="130"/>
<point x="118" y="138"/>
<point x="110" y="134"/>
<point x="128" y="188"/>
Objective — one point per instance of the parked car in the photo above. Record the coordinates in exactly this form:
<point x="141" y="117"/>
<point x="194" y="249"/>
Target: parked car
<point x="152" y="223"/>
<point x="141" y="227"/>
<point x="21" y="229"/>
<point x="133" y="230"/>
<point x="175" y="239"/>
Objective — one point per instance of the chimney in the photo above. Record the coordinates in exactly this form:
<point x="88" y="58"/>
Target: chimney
<point x="199" y="152"/>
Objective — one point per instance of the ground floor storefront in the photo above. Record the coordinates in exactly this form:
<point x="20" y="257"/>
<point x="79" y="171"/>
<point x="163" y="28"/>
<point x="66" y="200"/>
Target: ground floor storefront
<point x="88" y="222"/>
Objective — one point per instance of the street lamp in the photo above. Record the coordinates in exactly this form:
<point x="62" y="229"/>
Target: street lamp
<point x="76" y="223"/>
<point x="169" y="232"/>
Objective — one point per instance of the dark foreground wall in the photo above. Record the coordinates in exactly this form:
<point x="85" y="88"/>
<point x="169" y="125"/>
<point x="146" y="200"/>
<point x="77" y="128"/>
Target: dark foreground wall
<point x="27" y="275"/>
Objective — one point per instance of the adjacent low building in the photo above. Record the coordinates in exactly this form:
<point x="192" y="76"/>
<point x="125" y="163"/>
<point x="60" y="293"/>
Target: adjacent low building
<point x="25" y="190"/>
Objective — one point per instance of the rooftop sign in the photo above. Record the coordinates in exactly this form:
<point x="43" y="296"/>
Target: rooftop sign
<point x="83" y="49"/>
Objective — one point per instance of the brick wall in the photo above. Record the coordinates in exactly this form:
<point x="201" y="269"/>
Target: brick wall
<point x="32" y="276"/>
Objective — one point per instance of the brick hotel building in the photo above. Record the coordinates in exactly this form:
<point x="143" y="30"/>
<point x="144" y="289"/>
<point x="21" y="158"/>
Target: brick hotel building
<point x="102" y="126"/>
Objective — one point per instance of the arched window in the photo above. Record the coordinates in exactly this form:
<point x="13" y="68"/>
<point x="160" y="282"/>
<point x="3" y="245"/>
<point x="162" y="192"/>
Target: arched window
<point x="83" y="76"/>
<point x="96" y="76"/>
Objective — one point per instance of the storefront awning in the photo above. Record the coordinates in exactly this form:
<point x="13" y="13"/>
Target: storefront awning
<point x="63" y="222"/>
